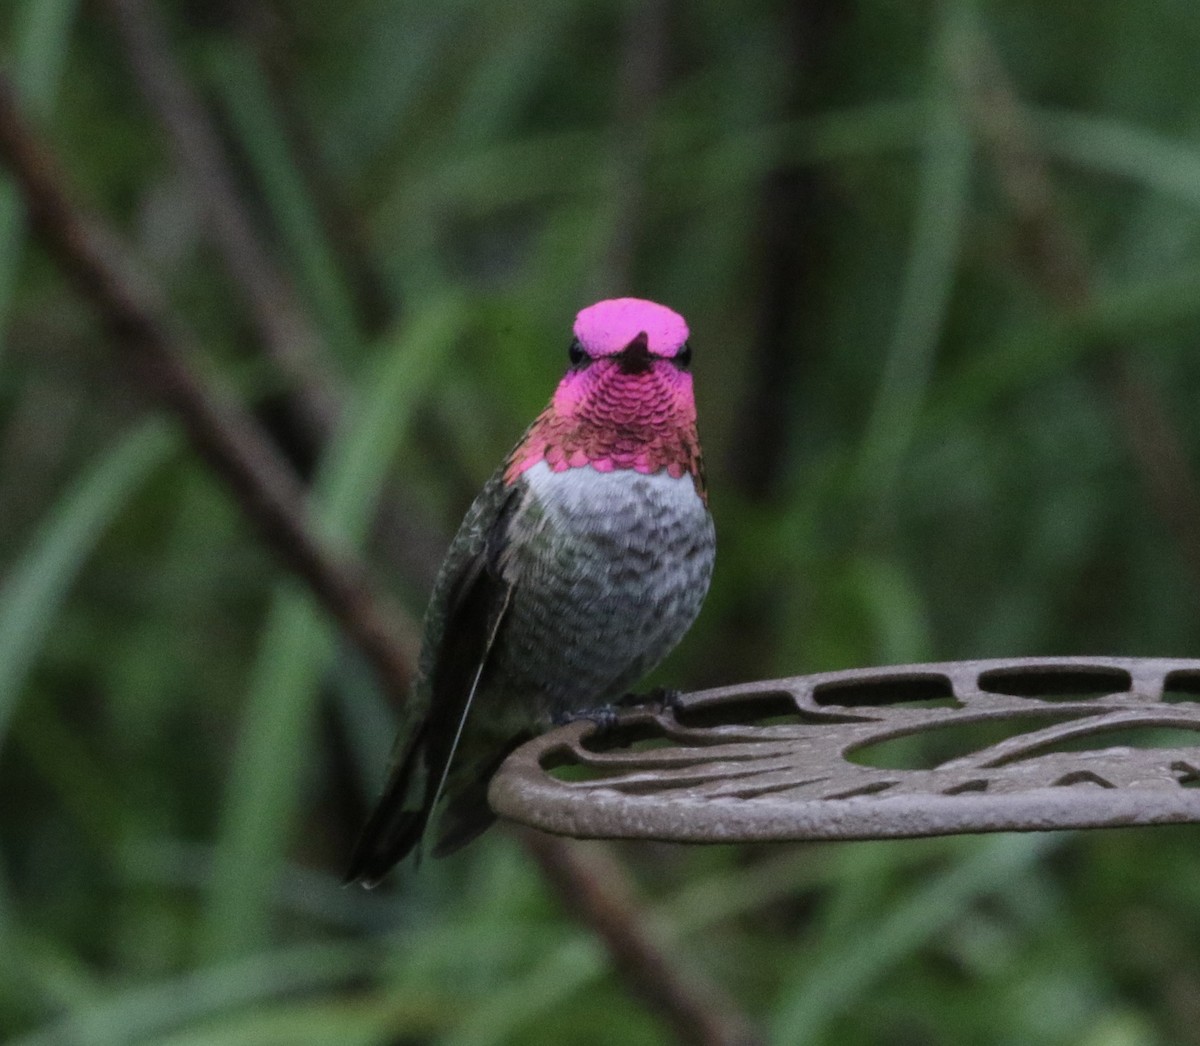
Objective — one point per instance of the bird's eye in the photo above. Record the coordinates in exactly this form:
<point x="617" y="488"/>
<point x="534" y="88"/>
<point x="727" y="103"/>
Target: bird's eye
<point x="683" y="358"/>
<point x="576" y="354"/>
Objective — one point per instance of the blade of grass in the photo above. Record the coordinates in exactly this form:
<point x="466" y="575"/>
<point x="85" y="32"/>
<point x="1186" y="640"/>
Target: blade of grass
<point x="151" y="1010"/>
<point x="496" y="89"/>
<point x="693" y="167"/>
<point x="394" y="87"/>
<point x="942" y="198"/>
<point x="896" y="608"/>
<point x="700" y="170"/>
<point x="84" y="786"/>
<point x="1035" y="349"/>
<point x="41" y="47"/>
<point x="237" y="76"/>
<point x="577" y="962"/>
<point x="1101" y="144"/>
<point x="43" y="974"/>
<point x="33" y="591"/>
<point x="356" y="1022"/>
<point x="312" y="895"/>
<point x="566" y="970"/>
<point x="298" y="643"/>
<point x="42" y="28"/>
<point x="850" y="964"/>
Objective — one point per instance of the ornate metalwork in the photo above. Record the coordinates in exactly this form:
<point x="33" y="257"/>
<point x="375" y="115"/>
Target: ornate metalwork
<point x="932" y="749"/>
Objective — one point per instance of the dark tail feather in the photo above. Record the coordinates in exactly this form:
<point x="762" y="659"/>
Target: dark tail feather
<point x="394" y="828"/>
<point x="466" y="827"/>
<point x="387" y="838"/>
<point x="468" y="815"/>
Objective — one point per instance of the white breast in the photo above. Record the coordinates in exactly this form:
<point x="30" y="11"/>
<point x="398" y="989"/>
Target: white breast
<point x="609" y="571"/>
<point x="615" y="501"/>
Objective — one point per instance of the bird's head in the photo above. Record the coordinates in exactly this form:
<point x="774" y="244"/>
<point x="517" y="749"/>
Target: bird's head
<point x="629" y="365"/>
<point x="626" y="401"/>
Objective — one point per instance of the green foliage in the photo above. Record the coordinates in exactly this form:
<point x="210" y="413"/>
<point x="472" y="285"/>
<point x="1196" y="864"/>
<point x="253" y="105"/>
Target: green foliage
<point x="443" y="185"/>
<point x="39" y="34"/>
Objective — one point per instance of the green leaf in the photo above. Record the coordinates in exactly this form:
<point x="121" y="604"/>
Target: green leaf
<point x="261" y="133"/>
<point x="298" y="645"/>
<point x="943" y="196"/>
<point x="41" y="46"/>
<point x="1113" y="147"/>
<point x="134" y="1014"/>
<point x="33" y="592"/>
<point x="851" y="963"/>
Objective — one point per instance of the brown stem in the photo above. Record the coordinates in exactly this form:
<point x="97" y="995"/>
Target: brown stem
<point x="593" y="887"/>
<point x="796" y="211"/>
<point x="219" y="430"/>
<point x="640" y="83"/>
<point x="283" y="328"/>
<point x="265" y="28"/>
<point x="312" y="402"/>
<point x="1056" y="261"/>
<point x="270" y="496"/>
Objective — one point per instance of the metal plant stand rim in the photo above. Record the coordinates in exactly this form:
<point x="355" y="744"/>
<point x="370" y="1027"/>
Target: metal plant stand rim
<point x="1029" y="744"/>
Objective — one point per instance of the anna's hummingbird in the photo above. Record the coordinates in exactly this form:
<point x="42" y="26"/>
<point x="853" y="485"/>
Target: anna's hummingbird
<point x="579" y="566"/>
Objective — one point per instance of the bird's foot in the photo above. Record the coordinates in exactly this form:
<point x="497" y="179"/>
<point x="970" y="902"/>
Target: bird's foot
<point x="660" y="699"/>
<point x="657" y="701"/>
<point x="603" y="716"/>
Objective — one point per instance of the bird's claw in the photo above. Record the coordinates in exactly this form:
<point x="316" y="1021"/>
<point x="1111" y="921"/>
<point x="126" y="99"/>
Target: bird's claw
<point x="603" y="716"/>
<point x="660" y="699"/>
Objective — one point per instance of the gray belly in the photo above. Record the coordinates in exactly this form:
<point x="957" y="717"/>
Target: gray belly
<point x="609" y="570"/>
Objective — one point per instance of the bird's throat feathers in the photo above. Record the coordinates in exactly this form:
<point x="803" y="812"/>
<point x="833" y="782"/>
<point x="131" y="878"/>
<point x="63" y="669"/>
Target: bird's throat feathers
<point x="607" y="419"/>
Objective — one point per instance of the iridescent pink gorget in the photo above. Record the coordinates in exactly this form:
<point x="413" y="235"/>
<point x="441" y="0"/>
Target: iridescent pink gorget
<point x="629" y="405"/>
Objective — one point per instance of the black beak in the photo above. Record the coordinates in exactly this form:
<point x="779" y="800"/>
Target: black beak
<point x="635" y="358"/>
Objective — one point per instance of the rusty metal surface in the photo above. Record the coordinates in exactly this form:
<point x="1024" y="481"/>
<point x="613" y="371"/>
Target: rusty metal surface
<point x="970" y="746"/>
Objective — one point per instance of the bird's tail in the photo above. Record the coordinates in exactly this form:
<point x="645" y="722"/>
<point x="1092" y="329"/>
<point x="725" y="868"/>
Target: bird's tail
<point x="395" y="827"/>
<point x="468" y="815"/>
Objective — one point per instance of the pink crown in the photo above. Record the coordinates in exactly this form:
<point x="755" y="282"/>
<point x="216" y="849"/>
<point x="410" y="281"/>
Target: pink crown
<point x="608" y="326"/>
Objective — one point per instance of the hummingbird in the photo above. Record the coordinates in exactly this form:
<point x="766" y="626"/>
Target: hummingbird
<point x="577" y="569"/>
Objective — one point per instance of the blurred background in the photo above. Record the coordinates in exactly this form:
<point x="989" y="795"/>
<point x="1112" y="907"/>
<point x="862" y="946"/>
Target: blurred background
<point x="941" y="264"/>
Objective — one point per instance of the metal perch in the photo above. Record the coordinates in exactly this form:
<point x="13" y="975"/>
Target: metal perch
<point x="1029" y="744"/>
